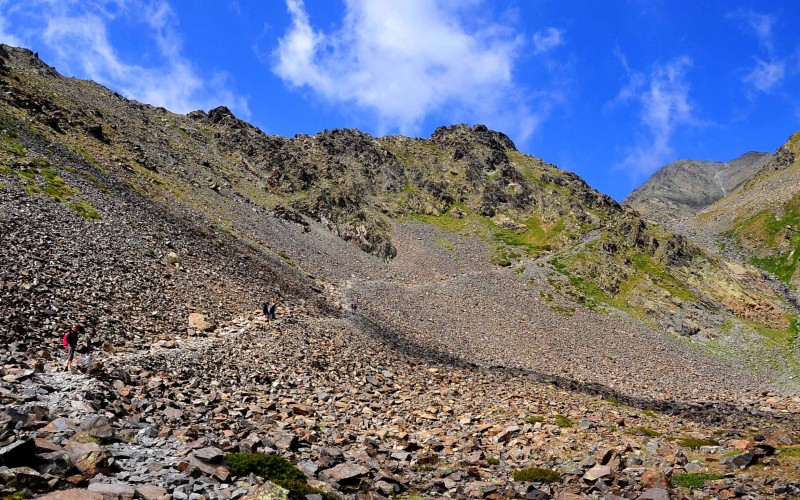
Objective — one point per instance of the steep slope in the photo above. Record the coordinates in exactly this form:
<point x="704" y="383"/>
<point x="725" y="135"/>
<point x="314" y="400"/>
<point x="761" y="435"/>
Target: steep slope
<point x="77" y="147"/>
<point x="760" y="220"/>
<point x="683" y="188"/>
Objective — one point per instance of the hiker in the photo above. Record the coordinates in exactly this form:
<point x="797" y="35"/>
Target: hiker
<point x="353" y="307"/>
<point x="271" y="311"/>
<point x="71" y="339"/>
<point x="265" y="309"/>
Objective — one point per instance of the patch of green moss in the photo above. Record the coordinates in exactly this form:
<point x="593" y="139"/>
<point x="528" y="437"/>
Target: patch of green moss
<point x="533" y="419"/>
<point x="8" y="143"/>
<point x="694" y="480"/>
<point x="273" y="468"/>
<point x="788" y="451"/>
<point x="563" y="421"/>
<point x="536" y="475"/>
<point x="645" y="431"/>
<point x="84" y="209"/>
<point x="492" y="460"/>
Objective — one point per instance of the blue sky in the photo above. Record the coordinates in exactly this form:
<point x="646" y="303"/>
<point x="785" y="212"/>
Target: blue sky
<point x="610" y="90"/>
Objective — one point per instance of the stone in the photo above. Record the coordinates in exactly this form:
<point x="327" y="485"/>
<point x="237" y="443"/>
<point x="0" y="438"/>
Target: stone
<point x="743" y="460"/>
<point x="113" y="491"/>
<point x="198" y="322"/>
<point x="654" y="494"/>
<point x="268" y="491"/>
<point x="150" y="492"/>
<point x="209" y="454"/>
<point x="19" y="453"/>
<point x="597" y="472"/>
<point x="96" y="426"/>
<point x="344" y="473"/>
<point x="329" y="457"/>
<point x="653" y="479"/>
<point x="72" y="494"/>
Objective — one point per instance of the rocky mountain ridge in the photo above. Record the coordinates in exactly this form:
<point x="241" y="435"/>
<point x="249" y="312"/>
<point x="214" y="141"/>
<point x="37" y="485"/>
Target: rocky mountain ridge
<point x="683" y="188"/>
<point x="484" y="277"/>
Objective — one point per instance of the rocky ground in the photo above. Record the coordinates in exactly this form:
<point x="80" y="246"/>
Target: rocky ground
<point x="359" y="417"/>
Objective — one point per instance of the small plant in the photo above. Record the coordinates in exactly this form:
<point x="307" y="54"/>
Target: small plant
<point x="694" y="444"/>
<point x="613" y="402"/>
<point x="536" y="475"/>
<point x="563" y="421"/>
<point x="694" y="480"/>
<point x="650" y="413"/>
<point x="533" y="419"/>
<point x="644" y="431"/>
<point x="84" y="209"/>
<point x="273" y="468"/>
<point x="492" y="460"/>
<point x="174" y="261"/>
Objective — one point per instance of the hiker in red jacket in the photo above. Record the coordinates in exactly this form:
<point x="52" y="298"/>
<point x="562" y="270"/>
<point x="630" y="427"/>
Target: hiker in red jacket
<point x="72" y="341"/>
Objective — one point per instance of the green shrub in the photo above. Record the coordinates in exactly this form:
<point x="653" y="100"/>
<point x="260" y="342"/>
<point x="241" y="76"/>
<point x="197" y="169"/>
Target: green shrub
<point x="694" y="480"/>
<point x="492" y="460"/>
<point x="645" y="431"/>
<point x="536" y="475"/>
<point x="273" y="468"/>
<point x="533" y="419"/>
<point x="563" y="421"/>
<point x="694" y="444"/>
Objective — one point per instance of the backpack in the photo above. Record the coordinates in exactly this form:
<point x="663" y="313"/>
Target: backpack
<point x="64" y="340"/>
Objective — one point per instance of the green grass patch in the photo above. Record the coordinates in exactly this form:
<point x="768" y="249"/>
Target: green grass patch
<point x="693" y="443"/>
<point x="788" y="451"/>
<point x="563" y="421"/>
<point x="84" y="209"/>
<point x="536" y="475"/>
<point x="534" y="419"/>
<point x="644" y="431"/>
<point x="694" y="480"/>
<point x="8" y="143"/>
<point x="273" y="468"/>
<point x="650" y="413"/>
<point x="492" y="460"/>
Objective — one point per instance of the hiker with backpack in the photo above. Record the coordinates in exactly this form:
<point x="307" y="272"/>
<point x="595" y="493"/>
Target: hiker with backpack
<point x="70" y="339"/>
<point x="268" y="308"/>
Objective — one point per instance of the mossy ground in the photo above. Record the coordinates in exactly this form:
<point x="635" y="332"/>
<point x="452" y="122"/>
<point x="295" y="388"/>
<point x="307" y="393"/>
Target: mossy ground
<point x="273" y="468"/>
<point x="536" y="475"/>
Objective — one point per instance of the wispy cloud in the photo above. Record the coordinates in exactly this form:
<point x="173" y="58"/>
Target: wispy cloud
<point x="77" y="32"/>
<point x="404" y="61"/>
<point x="769" y="72"/>
<point x="664" y="105"/>
<point x="547" y="40"/>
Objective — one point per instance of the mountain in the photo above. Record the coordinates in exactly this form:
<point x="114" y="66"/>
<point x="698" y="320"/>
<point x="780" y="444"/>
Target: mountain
<point x="507" y="315"/>
<point x="683" y="188"/>
<point x="759" y="221"/>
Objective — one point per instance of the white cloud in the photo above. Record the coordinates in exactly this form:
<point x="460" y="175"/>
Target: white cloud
<point x="404" y="61"/>
<point x="664" y="99"/>
<point x="77" y="33"/>
<point x="767" y="75"/>
<point x="547" y="40"/>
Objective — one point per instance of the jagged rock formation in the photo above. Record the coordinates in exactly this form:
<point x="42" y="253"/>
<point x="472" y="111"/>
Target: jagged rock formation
<point x="489" y="285"/>
<point x="683" y="188"/>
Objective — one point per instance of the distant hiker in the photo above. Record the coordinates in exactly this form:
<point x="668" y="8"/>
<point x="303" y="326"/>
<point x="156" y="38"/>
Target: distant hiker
<point x="271" y="311"/>
<point x="70" y="339"/>
<point x="353" y="307"/>
<point x="265" y="309"/>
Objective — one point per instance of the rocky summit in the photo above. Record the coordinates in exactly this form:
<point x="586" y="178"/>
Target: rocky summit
<point x="455" y="319"/>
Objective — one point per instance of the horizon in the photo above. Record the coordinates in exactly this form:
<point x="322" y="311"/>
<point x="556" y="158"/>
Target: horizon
<point x="611" y="93"/>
